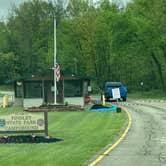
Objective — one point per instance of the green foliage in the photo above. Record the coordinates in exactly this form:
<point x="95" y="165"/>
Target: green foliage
<point x="100" y="40"/>
<point x="31" y="28"/>
<point x="7" y="66"/>
<point x="154" y="94"/>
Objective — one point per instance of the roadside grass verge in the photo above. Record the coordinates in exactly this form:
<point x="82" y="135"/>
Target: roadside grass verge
<point x="155" y="94"/>
<point x="6" y="88"/>
<point x="83" y="134"/>
<point x="1" y="95"/>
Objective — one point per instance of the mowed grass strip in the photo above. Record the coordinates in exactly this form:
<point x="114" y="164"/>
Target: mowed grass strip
<point x="83" y="134"/>
<point x="154" y="94"/>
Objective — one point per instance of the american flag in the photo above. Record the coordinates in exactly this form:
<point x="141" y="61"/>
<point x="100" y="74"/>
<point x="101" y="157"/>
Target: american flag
<point x="57" y="70"/>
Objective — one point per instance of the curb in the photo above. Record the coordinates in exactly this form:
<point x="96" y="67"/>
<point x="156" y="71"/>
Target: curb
<point x="151" y="100"/>
<point x="154" y="100"/>
<point x="113" y="146"/>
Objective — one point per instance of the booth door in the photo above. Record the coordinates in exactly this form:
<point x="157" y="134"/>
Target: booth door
<point x="60" y="92"/>
<point x="48" y="93"/>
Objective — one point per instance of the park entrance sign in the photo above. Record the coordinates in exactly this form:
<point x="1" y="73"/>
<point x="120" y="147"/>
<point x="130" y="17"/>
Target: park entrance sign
<point x="24" y="122"/>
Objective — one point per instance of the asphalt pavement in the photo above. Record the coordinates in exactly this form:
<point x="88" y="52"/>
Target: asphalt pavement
<point x="145" y="143"/>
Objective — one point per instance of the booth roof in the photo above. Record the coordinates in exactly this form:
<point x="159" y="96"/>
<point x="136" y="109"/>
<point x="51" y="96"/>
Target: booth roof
<point x="48" y="71"/>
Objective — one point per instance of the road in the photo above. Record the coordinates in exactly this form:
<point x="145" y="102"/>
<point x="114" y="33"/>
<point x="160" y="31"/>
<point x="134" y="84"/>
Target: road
<point x="145" y="143"/>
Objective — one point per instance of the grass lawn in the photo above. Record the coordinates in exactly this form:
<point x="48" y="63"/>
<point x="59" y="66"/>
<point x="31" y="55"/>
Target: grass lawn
<point x="1" y="95"/>
<point x="83" y="133"/>
<point x="6" y="87"/>
<point x="155" y="94"/>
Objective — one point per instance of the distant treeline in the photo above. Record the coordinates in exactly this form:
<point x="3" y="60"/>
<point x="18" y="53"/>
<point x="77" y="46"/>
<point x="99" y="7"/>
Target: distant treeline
<point x="102" y="40"/>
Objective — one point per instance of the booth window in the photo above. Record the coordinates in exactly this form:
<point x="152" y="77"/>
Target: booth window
<point x="73" y="88"/>
<point x="33" y="89"/>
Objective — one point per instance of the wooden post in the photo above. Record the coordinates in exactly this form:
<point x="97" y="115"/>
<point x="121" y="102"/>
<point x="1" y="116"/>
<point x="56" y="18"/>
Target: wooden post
<point x="43" y="93"/>
<point x="84" y="91"/>
<point x="46" y="122"/>
<point x="63" y="91"/>
<point x="23" y="92"/>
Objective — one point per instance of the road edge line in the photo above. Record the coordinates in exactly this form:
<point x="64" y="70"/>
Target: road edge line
<point x="108" y="150"/>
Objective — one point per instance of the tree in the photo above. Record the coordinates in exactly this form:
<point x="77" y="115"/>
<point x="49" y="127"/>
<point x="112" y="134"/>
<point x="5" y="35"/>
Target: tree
<point x="153" y="34"/>
<point x="7" y="67"/>
<point x="31" y="27"/>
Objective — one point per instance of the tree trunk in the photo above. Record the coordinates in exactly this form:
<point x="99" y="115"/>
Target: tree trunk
<point x="163" y="50"/>
<point x="159" y="69"/>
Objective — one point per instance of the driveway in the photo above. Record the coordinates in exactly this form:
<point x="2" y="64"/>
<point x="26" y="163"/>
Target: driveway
<point x="145" y="143"/>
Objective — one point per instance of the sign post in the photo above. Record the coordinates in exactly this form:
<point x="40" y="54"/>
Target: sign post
<point x="46" y="123"/>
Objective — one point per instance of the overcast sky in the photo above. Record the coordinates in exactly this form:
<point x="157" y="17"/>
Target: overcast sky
<point x="5" y="6"/>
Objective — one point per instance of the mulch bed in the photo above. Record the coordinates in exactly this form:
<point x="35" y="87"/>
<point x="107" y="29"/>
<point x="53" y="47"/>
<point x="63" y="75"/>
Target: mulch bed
<point x="27" y="139"/>
<point x="50" y="108"/>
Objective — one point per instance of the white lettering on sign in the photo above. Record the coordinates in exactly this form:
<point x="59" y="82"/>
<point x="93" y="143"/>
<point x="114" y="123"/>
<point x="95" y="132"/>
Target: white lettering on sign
<point x="22" y="121"/>
<point x="116" y="93"/>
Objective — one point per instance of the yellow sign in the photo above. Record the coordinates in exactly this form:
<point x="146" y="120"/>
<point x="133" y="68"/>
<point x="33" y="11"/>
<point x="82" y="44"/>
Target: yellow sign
<point x="22" y="121"/>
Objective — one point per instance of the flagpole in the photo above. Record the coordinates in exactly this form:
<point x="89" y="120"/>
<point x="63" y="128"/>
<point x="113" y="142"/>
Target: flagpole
<point x="64" y="6"/>
<point x="55" y="86"/>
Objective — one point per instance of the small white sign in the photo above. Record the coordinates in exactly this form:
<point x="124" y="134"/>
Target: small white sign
<point x="89" y="88"/>
<point x="116" y="93"/>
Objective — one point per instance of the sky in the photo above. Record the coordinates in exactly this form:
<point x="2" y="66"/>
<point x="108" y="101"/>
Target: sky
<point x="5" y="6"/>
